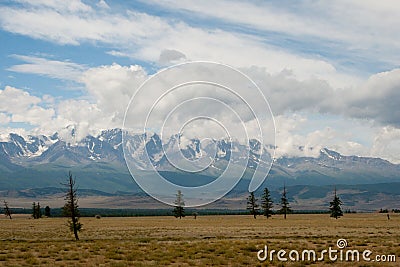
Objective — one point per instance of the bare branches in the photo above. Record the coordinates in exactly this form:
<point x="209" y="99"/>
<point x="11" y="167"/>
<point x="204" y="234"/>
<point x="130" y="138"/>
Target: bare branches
<point x="7" y="210"/>
<point x="70" y="208"/>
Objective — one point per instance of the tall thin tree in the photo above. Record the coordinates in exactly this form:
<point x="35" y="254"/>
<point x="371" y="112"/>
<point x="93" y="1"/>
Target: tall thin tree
<point x="252" y="205"/>
<point x="179" y="211"/>
<point x="70" y="208"/>
<point x="267" y="203"/>
<point x="7" y="210"/>
<point x="335" y="207"/>
<point x="38" y="211"/>
<point x="285" y="208"/>
<point x="34" y="210"/>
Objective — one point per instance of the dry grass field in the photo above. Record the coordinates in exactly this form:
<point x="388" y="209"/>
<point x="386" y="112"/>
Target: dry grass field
<point x="208" y="240"/>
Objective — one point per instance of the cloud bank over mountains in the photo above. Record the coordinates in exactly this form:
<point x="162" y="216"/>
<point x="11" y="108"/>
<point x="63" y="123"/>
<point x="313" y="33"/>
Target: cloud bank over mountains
<point x="332" y="78"/>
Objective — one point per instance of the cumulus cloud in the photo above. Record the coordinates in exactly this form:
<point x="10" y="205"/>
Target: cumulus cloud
<point x="35" y="115"/>
<point x="286" y="93"/>
<point x="387" y="144"/>
<point x="19" y="106"/>
<point x="318" y="98"/>
<point x="16" y="101"/>
<point x="303" y="135"/>
<point x="378" y="99"/>
<point x="86" y="118"/>
<point x="294" y="102"/>
<point x="111" y="87"/>
<point x="108" y="89"/>
<point x="5" y="136"/>
<point x="374" y="100"/>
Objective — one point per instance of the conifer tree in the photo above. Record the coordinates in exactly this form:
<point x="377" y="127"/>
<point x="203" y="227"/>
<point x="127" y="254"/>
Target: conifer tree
<point x="252" y="205"/>
<point x="34" y="210"/>
<point x="7" y="210"/>
<point x="70" y="208"/>
<point x="179" y="211"/>
<point x="267" y="203"/>
<point x="335" y="207"/>
<point x="38" y="211"/>
<point x="47" y="212"/>
<point x="285" y="208"/>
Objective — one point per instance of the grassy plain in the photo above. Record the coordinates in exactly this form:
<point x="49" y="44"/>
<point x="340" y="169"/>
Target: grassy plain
<point x="209" y="240"/>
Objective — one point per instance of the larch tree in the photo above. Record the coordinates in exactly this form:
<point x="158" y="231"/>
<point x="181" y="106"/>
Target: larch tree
<point x="38" y="211"/>
<point x="47" y="211"/>
<point x="335" y="207"/>
<point x="34" y="210"/>
<point x="7" y="210"/>
<point x="267" y="203"/>
<point x="252" y="205"/>
<point x="70" y="208"/>
<point x="179" y="210"/>
<point x="285" y="208"/>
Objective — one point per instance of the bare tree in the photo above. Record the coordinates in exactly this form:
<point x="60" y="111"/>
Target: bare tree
<point x="70" y="208"/>
<point x="179" y="211"/>
<point x="252" y="205"/>
<point x="7" y="210"/>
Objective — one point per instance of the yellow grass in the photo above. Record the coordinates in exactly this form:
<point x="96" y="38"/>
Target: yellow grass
<point x="209" y="240"/>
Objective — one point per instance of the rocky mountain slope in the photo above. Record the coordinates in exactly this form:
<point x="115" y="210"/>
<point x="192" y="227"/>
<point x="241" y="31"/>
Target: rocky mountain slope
<point x="98" y="161"/>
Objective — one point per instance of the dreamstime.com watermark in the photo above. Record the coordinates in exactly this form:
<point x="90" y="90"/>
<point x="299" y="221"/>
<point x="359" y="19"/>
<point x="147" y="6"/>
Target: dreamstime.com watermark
<point x="341" y="254"/>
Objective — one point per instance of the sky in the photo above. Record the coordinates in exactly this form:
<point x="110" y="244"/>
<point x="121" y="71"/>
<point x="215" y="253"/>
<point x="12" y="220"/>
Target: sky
<point x="330" y="70"/>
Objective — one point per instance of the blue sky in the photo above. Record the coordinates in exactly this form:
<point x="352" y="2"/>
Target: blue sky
<point x="329" y="69"/>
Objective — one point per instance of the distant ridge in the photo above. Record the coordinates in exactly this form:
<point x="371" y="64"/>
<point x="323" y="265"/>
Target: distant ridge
<point x="98" y="161"/>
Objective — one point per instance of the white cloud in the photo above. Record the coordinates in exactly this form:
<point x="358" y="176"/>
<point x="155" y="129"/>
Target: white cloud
<point x="300" y="131"/>
<point x="117" y="53"/>
<point x="4" y="118"/>
<point x="303" y="135"/>
<point x="170" y="57"/>
<point x="103" y="4"/>
<point x="361" y="26"/>
<point x="387" y="144"/>
<point x="35" y="115"/>
<point x="5" y="133"/>
<point x="19" y="106"/>
<point x="145" y="37"/>
<point x="63" y="70"/>
<point x="109" y="90"/>
<point x="59" y="5"/>
<point x="14" y="100"/>
<point x="377" y="99"/>
<point x="111" y="87"/>
<point x="65" y="27"/>
<point x="286" y="93"/>
<point x="298" y="84"/>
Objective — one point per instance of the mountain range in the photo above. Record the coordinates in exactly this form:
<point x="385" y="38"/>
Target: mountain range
<point x="98" y="163"/>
